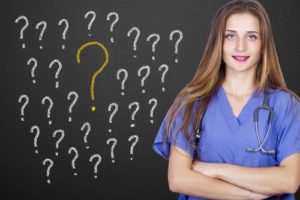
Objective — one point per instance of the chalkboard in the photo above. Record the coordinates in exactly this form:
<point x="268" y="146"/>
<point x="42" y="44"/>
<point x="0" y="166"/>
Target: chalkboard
<point x="86" y="84"/>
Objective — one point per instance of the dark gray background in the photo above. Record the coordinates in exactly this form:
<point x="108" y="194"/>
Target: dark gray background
<point x="22" y="174"/>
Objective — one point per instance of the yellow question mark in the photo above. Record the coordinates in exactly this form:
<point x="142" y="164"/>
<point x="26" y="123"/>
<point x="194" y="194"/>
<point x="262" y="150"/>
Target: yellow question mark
<point x="99" y="70"/>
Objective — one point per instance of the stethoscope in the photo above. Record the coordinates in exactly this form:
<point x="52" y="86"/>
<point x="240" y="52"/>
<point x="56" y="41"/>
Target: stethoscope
<point x="264" y="106"/>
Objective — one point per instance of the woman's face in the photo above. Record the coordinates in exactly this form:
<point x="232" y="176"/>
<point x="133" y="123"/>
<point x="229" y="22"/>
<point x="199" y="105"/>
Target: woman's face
<point x="242" y="43"/>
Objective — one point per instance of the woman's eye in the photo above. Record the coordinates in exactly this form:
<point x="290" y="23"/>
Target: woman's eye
<point x="252" y="37"/>
<point x="230" y="36"/>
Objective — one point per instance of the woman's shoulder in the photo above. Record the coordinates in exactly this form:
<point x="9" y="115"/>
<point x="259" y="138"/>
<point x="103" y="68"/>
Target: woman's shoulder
<point x="283" y="99"/>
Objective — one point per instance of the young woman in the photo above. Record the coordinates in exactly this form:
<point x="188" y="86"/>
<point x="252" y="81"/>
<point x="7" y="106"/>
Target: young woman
<point x="238" y="104"/>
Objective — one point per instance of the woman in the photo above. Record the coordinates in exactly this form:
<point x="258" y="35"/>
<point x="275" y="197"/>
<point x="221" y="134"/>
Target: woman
<point x="235" y="158"/>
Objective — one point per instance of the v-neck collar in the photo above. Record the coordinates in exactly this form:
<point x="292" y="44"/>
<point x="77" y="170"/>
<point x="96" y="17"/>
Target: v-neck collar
<point x="248" y="109"/>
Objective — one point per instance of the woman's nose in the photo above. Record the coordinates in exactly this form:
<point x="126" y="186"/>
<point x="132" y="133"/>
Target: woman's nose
<point x="241" y="44"/>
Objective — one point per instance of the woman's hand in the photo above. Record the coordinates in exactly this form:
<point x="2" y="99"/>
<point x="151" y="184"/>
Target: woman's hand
<point x="208" y="169"/>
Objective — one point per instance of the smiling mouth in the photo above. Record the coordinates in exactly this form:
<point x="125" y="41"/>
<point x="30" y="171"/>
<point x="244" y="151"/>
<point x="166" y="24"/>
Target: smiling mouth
<point x="241" y="58"/>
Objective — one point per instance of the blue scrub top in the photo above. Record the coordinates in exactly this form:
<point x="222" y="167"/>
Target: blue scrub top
<point x="225" y="137"/>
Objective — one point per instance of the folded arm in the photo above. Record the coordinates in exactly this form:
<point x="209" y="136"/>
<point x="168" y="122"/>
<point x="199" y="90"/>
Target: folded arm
<point x="269" y="180"/>
<point x="183" y="179"/>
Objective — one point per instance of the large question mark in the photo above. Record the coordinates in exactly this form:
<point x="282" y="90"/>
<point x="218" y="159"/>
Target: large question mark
<point x="34" y="61"/>
<point x="75" y="157"/>
<point x="113" y="23"/>
<point x="37" y="130"/>
<point x="166" y="69"/>
<point x="115" y="105"/>
<point x="153" y="35"/>
<point x="50" y="161"/>
<point x="137" y="107"/>
<point x="23" y="96"/>
<point x="23" y="28"/>
<point x="86" y="126"/>
<point x="93" y="13"/>
<point x="114" y="140"/>
<point x="99" y="70"/>
<point x="56" y="61"/>
<point x="138" y="32"/>
<point x="136" y="137"/>
<point x="44" y="26"/>
<point x="152" y="108"/>
<point x="49" y="108"/>
<point x="65" y="30"/>
<point x="62" y="135"/>
<point x="177" y="42"/>
<point x="72" y="93"/>
<point x="97" y="156"/>
<point x="147" y="68"/>
<point x="124" y="79"/>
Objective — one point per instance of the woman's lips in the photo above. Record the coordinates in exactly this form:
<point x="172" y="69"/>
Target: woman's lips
<point x="241" y="58"/>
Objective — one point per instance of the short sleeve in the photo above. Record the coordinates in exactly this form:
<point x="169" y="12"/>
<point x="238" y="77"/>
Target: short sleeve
<point x="177" y="139"/>
<point x="289" y="137"/>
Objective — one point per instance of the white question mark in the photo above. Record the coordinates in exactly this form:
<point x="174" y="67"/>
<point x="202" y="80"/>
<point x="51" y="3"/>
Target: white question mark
<point x="178" y="40"/>
<point x="34" y="61"/>
<point x="97" y="156"/>
<point x="72" y="93"/>
<point x="114" y="140"/>
<point x="62" y="135"/>
<point x="37" y="129"/>
<point x="65" y="30"/>
<point x="112" y="24"/>
<point x="93" y="13"/>
<point x="44" y="26"/>
<point x="152" y="108"/>
<point x="23" y="28"/>
<point x="147" y="68"/>
<point x="166" y="69"/>
<point x="115" y="105"/>
<point x="23" y="96"/>
<point x="50" y="161"/>
<point x="49" y="108"/>
<point x="75" y="157"/>
<point x="124" y="79"/>
<point x="136" y="137"/>
<point x="138" y="32"/>
<point x="154" y="43"/>
<point x="56" y="61"/>
<point x="87" y="126"/>
<point x="137" y="107"/>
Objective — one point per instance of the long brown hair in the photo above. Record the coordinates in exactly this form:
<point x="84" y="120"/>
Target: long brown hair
<point x="211" y="70"/>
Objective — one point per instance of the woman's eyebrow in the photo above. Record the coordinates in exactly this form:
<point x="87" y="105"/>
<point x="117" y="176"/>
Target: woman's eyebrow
<point x="233" y="31"/>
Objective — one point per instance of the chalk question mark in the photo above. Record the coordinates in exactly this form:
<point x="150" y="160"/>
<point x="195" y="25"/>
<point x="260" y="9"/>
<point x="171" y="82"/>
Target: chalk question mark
<point x="125" y="72"/>
<point x="138" y="32"/>
<point x="44" y="26"/>
<point x="153" y="35"/>
<point x="34" y="61"/>
<point x="23" y="96"/>
<point x="179" y="32"/>
<point x="113" y="23"/>
<point x="86" y="126"/>
<point x="47" y="98"/>
<point x="73" y="149"/>
<point x="137" y="107"/>
<point x="114" y="141"/>
<point x="62" y="135"/>
<point x="37" y="133"/>
<point x="50" y="161"/>
<point x="57" y="62"/>
<point x="99" y="70"/>
<point x="116" y="107"/>
<point x="154" y="101"/>
<point x="136" y="139"/>
<point x="72" y="93"/>
<point x="147" y="69"/>
<point x="166" y="69"/>
<point x="96" y="156"/>
<point x="65" y="30"/>
<point x="23" y="28"/>
<point x="93" y="13"/>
